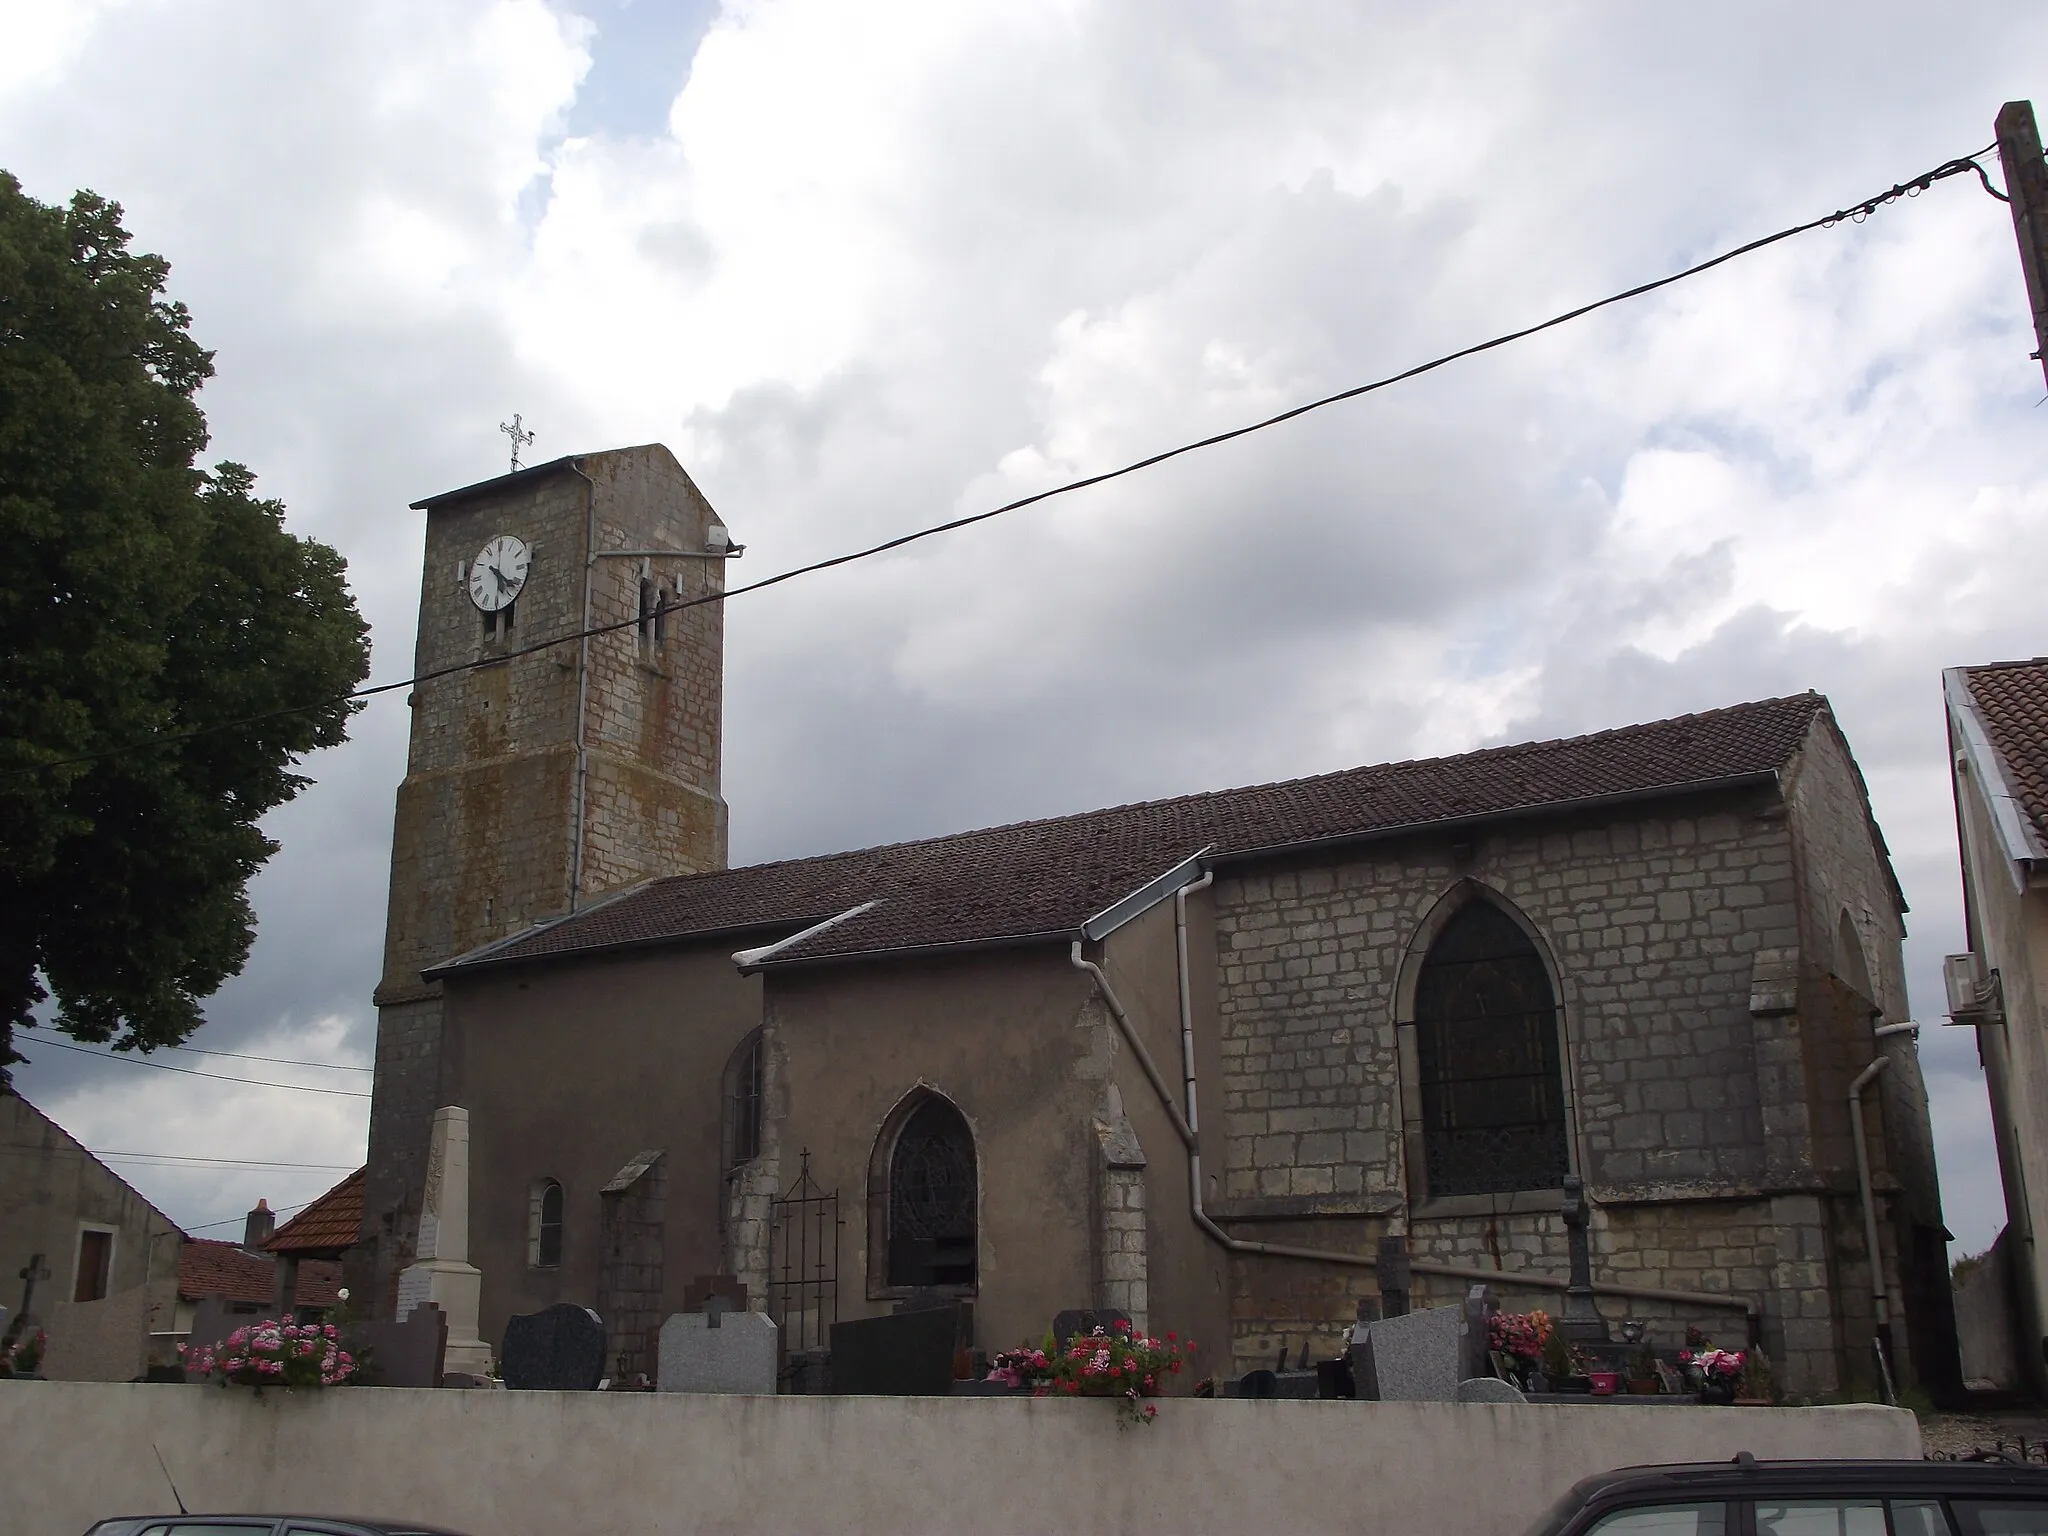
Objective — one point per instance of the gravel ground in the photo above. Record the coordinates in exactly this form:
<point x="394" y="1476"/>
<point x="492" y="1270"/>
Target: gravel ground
<point x="1953" y="1434"/>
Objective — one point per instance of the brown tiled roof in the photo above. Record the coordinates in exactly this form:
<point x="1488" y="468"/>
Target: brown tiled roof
<point x="208" y="1268"/>
<point x="328" y="1226"/>
<point x="1045" y="878"/>
<point x="2012" y="701"/>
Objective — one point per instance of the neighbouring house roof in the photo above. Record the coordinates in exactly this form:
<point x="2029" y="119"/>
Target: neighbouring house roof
<point x="328" y="1227"/>
<point x="1041" y="880"/>
<point x="1999" y="714"/>
<point x="209" y="1268"/>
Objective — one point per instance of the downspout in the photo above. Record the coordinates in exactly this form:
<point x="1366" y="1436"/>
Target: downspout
<point x="583" y="683"/>
<point x="1880" y="1304"/>
<point x="1184" y="1124"/>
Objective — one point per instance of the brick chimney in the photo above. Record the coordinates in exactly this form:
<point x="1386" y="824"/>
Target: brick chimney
<point x="257" y="1229"/>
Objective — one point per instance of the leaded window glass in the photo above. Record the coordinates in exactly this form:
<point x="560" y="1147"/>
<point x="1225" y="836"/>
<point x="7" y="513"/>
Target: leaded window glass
<point x="932" y="1239"/>
<point x="1486" y="1034"/>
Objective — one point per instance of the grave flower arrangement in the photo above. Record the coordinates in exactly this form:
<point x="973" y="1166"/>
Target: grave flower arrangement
<point x="1716" y="1370"/>
<point x="22" y="1358"/>
<point x="1519" y="1335"/>
<point x="1111" y="1362"/>
<point x="274" y="1354"/>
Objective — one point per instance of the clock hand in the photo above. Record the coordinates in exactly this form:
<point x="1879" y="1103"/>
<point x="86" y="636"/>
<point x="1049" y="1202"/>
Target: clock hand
<point x="503" y="584"/>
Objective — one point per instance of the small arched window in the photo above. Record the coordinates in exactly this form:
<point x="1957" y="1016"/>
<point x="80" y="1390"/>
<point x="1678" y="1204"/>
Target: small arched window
<point x="1850" y="963"/>
<point x="1486" y="1027"/>
<point x="739" y="1134"/>
<point x="933" y="1239"/>
<point x="742" y="1135"/>
<point x="544" y="1226"/>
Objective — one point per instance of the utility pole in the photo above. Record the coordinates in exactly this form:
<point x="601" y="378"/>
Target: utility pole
<point x="2026" y="184"/>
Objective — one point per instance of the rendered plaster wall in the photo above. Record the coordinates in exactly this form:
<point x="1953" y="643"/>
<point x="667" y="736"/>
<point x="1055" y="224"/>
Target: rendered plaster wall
<point x="539" y="1463"/>
<point x="2008" y="927"/>
<point x="1019" y="1044"/>
<point x="52" y="1189"/>
<point x="485" y="830"/>
<point x="570" y="1070"/>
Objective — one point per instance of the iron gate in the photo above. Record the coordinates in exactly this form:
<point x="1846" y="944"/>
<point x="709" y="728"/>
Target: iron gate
<point x="803" y="1264"/>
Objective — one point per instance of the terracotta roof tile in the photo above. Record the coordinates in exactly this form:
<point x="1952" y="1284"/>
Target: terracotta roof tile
<point x="208" y="1268"/>
<point x="327" y="1226"/>
<point x="1045" y="878"/>
<point x="2012" y="700"/>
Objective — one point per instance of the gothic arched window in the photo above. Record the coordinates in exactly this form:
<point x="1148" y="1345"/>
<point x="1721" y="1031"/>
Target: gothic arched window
<point x="740" y="1122"/>
<point x="1493" y="1116"/>
<point x="931" y="1199"/>
<point x="544" y="1226"/>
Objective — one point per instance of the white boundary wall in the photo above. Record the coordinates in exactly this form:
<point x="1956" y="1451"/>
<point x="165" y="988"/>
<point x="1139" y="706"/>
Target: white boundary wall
<point x="594" y="1464"/>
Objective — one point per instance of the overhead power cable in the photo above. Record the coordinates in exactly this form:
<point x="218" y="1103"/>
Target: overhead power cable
<point x="1854" y="214"/>
<point x="236" y="1221"/>
<point x="176" y="1157"/>
<point x="219" y="1077"/>
<point x="276" y="1061"/>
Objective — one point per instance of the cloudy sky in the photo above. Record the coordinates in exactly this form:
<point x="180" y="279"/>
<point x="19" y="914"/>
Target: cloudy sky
<point x="868" y="267"/>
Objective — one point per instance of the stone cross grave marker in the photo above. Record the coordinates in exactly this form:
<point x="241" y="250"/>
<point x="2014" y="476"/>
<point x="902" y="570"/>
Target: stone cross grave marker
<point x="558" y="1349"/>
<point x="1582" y="1322"/>
<point x="717" y="1351"/>
<point x="1414" y="1358"/>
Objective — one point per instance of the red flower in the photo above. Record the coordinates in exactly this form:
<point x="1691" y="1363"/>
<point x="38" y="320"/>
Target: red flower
<point x="1171" y="1335"/>
<point x="1121" y="1325"/>
<point x="1073" y="1386"/>
<point x="1174" y="1366"/>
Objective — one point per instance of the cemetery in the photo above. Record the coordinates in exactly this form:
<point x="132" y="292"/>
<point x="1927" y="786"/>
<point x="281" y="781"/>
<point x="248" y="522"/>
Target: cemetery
<point x="894" y="1422"/>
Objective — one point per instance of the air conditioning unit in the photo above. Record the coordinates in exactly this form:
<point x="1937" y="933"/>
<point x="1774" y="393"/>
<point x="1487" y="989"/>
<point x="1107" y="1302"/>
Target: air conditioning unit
<point x="1974" y="996"/>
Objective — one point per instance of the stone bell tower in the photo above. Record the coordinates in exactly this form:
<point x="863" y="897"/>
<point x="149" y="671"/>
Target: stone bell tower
<point x="544" y="777"/>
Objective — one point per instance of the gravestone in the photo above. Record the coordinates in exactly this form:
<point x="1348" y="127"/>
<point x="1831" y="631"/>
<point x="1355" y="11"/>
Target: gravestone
<point x="1489" y="1389"/>
<point x="413" y="1353"/>
<point x="1395" y="1276"/>
<point x="1413" y="1358"/>
<point x="717" y="1351"/>
<point x="558" y="1349"/>
<point x="1476" y="1341"/>
<point x="1067" y="1325"/>
<point x="906" y="1354"/>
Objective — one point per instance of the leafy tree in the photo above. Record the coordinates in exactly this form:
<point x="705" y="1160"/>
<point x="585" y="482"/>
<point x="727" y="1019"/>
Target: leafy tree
<point x="147" y="609"/>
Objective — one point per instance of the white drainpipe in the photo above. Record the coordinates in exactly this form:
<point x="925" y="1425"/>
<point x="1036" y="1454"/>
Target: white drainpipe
<point x="1184" y="1123"/>
<point x="1880" y="1305"/>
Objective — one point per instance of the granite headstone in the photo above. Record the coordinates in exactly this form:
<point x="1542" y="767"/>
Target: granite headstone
<point x="558" y="1349"/>
<point x="1413" y="1358"/>
<point x="717" y="1351"/>
<point x="906" y="1354"/>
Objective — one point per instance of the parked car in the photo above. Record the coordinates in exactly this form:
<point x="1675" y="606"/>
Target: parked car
<point x="258" y="1525"/>
<point x="1748" y="1497"/>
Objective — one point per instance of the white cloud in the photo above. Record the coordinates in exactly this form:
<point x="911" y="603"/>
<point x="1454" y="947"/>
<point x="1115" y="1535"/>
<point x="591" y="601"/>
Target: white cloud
<point x="895" y="262"/>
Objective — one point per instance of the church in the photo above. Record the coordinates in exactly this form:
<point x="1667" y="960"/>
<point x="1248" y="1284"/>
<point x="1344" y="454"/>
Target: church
<point x="1193" y="1058"/>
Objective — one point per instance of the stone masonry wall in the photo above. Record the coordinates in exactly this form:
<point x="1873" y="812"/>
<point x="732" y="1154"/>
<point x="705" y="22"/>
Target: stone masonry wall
<point x="1656" y="921"/>
<point x="1651" y="920"/>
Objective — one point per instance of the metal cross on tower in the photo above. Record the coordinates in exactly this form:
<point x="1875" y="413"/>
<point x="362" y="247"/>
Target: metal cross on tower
<point x="520" y="437"/>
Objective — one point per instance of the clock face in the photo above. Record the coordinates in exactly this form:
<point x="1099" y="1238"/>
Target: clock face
<point x="498" y="573"/>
